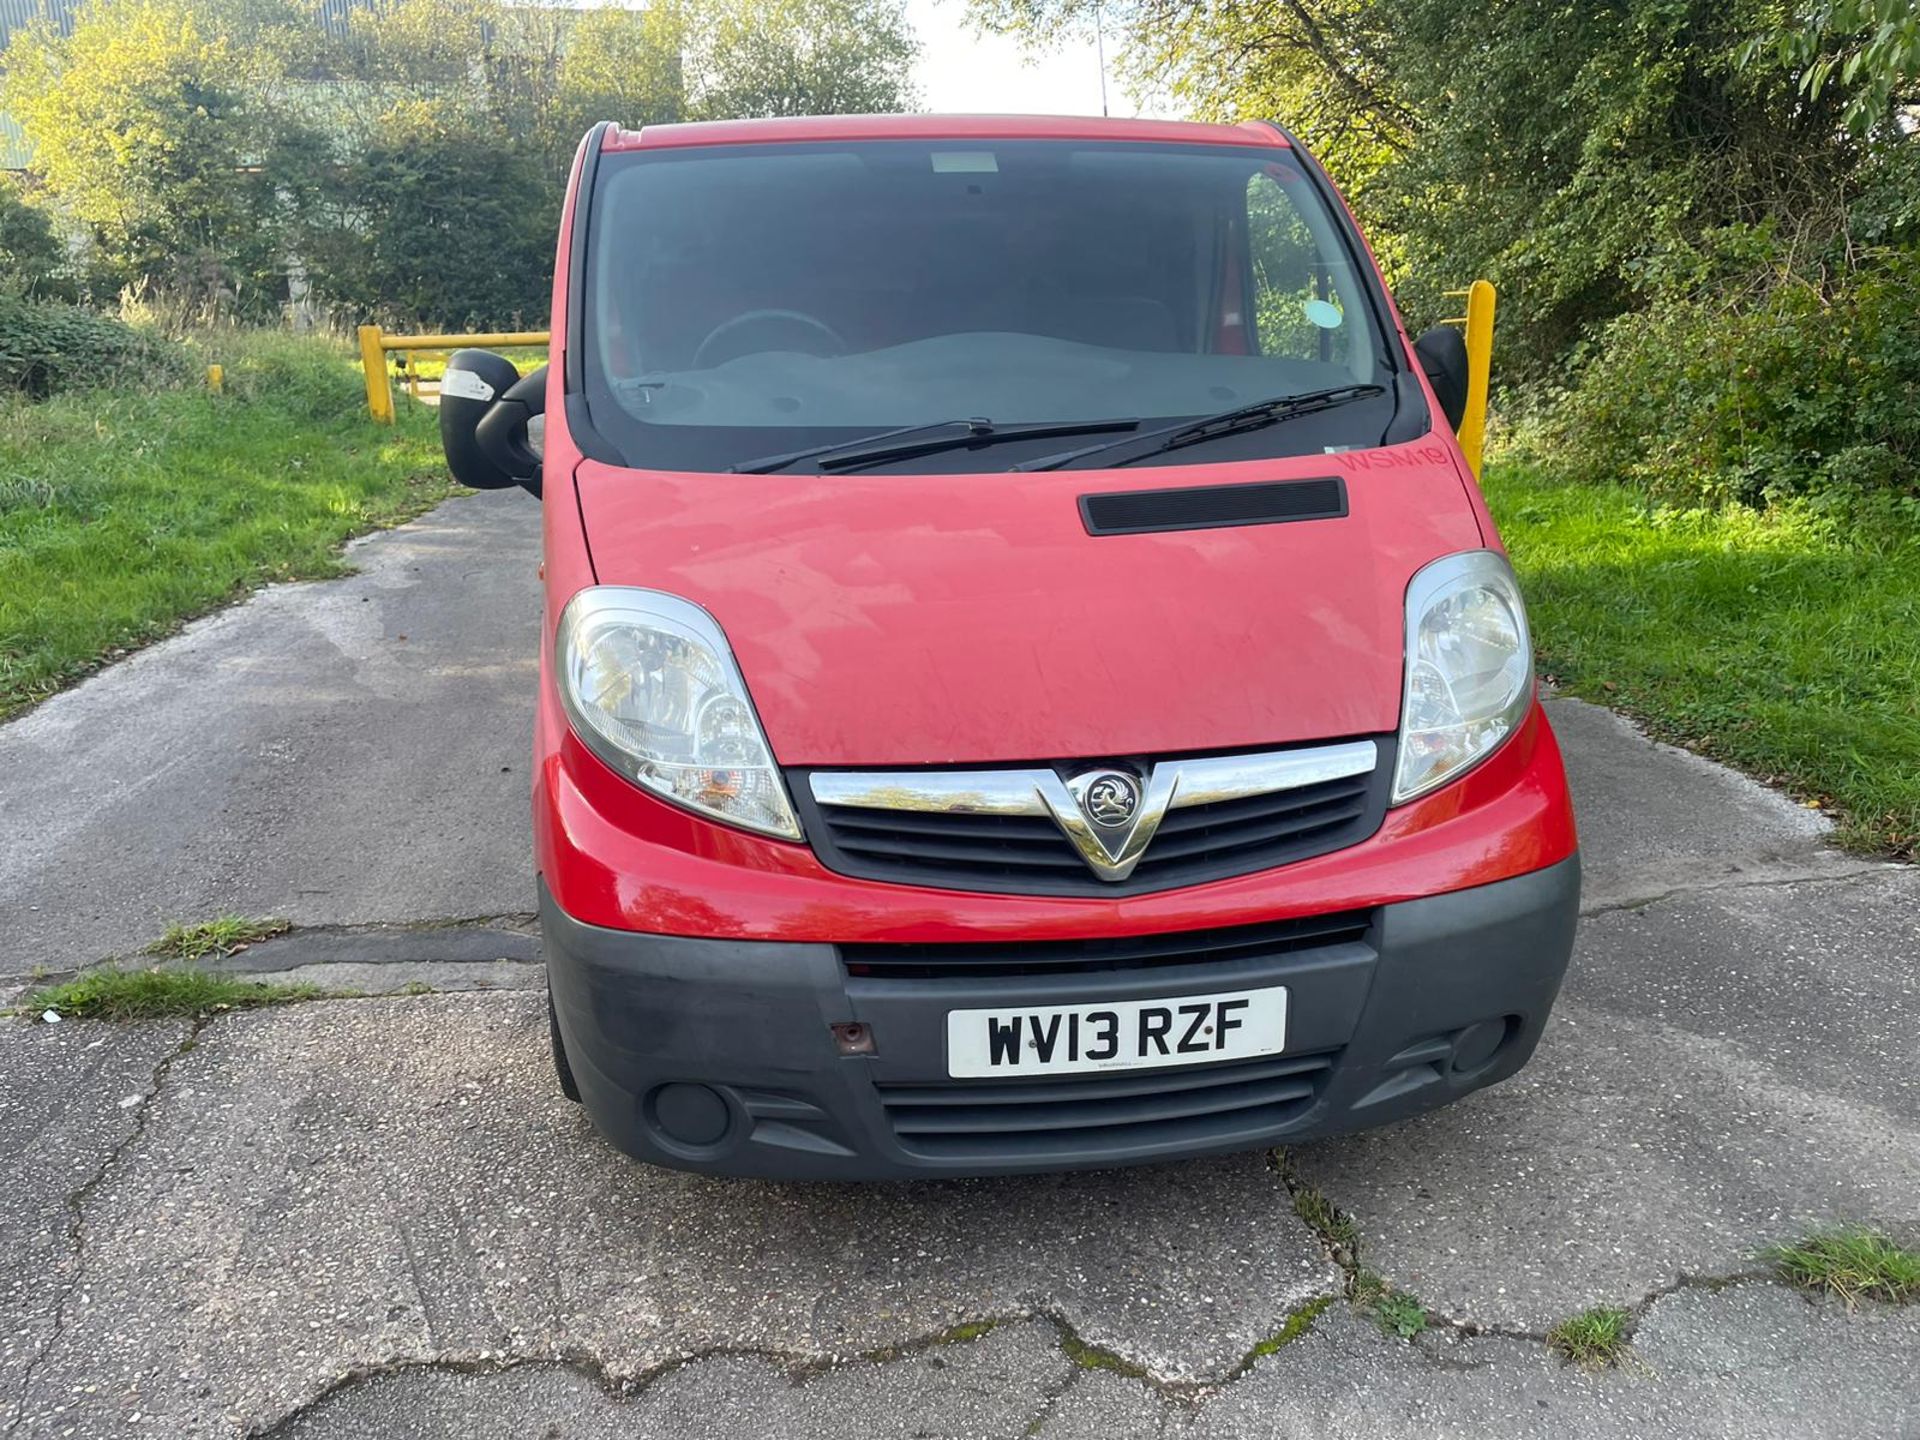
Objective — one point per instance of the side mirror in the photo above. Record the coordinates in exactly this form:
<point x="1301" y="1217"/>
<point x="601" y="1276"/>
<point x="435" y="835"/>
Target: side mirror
<point x="1443" y="356"/>
<point x="505" y="433"/>
<point x="474" y="380"/>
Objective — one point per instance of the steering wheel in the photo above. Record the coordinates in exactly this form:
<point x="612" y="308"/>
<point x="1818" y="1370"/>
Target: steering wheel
<point x="795" y="331"/>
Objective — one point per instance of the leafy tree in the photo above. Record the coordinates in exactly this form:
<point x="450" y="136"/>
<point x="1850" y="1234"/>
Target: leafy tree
<point x="1323" y="67"/>
<point x="620" y="65"/>
<point x="410" y="166"/>
<point x="146" y="130"/>
<point x="533" y="77"/>
<point x="799" y="57"/>
<point x="1869" y="49"/>
<point x="1547" y="146"/>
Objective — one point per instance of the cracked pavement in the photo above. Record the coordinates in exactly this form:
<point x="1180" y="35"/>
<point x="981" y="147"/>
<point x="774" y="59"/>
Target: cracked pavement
<point x="377" y="1217"/>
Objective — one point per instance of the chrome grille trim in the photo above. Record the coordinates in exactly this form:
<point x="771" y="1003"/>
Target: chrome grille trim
<point x="1205" y="781"/>
<point x="1110" y="853"/>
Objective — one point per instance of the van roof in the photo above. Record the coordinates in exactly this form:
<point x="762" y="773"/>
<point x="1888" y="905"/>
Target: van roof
<point x="940" y="127"/>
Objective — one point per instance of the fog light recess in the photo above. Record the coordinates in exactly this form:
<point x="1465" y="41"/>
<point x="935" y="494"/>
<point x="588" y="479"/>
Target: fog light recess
<point x="687" y="1114"/>
<point x="1475" y="1047"/>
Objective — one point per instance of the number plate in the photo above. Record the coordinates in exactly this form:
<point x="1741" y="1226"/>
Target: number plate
<point x="1117" y="1035"/>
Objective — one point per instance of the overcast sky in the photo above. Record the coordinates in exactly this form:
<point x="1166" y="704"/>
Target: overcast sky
<point x="960" y="73"/>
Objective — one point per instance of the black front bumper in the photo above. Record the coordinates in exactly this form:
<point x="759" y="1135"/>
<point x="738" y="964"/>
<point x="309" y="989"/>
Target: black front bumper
<point x="717" y="1055"/>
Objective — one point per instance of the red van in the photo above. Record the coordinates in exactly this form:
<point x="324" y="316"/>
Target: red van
<point x="1030" y="680"/>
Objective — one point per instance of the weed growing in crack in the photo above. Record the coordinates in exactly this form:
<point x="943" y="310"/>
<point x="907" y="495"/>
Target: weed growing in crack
<point x="226" y="935"/>
<point x="965" y="1333"/>
<point x="157" y="994"/>
<point x="1298" y="1323"/>
<point x="1394" y="1311"/>
<point x="1400" y="1314"/>
<point x="1094" y="1357"/>
<point x="1594" y="1338"/>
<point x="1332" y="1224"/>
<point x="968" y="1332"/>
<point x="1852" y="1263"/>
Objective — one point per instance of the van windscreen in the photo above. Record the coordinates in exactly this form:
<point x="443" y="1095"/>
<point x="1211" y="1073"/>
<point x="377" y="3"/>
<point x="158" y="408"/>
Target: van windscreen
<point x="748" y="299"/>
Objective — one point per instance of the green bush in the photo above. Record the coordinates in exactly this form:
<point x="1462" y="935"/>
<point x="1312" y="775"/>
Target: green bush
<point x="46" y="347"/>
<point x="33" y="262"/>
<point x="433" y="226"/>
<point x="1749" y="380"/>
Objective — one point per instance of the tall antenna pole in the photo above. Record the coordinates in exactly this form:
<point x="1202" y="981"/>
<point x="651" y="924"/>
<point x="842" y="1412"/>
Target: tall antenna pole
<point x="1100" y="50"/>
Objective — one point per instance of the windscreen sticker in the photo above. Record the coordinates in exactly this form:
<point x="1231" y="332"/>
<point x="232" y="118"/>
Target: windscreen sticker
<point x="1323" y="313"/>
<point x="465" y="385"/>
<point x="965" y="162"/>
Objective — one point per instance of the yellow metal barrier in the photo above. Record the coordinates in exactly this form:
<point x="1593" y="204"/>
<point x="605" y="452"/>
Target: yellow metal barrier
<point x="1478" y="322"/>
<point x="375" y="343"/>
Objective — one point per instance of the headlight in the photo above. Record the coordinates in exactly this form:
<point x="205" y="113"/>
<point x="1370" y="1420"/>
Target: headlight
<point x="1469" y="678"/>
<point x="651" y="688"/>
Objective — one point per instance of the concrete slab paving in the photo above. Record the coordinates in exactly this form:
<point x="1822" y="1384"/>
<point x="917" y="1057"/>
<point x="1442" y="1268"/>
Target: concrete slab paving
<point x="390" y="959"/>
<point x="341" y="1185"/>
<point x="991" y="1386"/>
<point x="1818" y="979"/>
<point x="349" y="977"/>
<point x="71" y="1096"/>
<point x="1753" y="1361"/>
<point x="343" y="751"/>
<point x="514" y="942"/>
<point x="1722" y="1071"/>
<point x="1750" y="1361"/>
<point x="1655" y="819"/>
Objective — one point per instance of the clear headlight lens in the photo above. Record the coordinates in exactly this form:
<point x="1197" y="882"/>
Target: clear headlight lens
<point x="651" y="688"/>
<point x="1469" y="678"/>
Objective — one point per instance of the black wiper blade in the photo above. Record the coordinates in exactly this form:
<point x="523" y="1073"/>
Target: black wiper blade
<point x="1209" y="427"/>
<point x="982" y="433"/>
<point x="893" y="444"/>
<point x="767" y="464"/>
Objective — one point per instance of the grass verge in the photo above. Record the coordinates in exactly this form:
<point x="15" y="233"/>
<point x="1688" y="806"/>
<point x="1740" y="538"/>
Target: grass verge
<point x="127" y="510"/>
<point x="1783" y="644"/>
<point x="226" y="935"/>
<point x="1594" y="1338"/>
<point x="1851" y="1263"/>
<point x="159" y="994"/>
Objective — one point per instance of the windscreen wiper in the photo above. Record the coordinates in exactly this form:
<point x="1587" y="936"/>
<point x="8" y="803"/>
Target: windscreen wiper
<point x="1209" y="427"/>
<point x="893" y="444"/>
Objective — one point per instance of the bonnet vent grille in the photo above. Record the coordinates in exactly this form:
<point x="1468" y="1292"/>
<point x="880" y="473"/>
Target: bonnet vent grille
<point x="1206" y="507"/>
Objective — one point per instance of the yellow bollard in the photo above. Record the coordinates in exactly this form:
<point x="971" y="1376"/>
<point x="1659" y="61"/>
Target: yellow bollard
<point x="216" y="378"/>
<point x="373" y="359"/>
<point x="1479" y="321"/>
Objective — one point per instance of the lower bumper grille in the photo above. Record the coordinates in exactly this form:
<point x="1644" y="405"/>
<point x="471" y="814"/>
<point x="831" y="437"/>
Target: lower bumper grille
<point x="1088" y="1116"/>
<point x="969" y="959"/>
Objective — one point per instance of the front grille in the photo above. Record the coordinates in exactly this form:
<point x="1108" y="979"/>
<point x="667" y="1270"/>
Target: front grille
<point x="1096" y="1115"/>
<point x="970" y="959"/>
<point x="1027" y="854"/>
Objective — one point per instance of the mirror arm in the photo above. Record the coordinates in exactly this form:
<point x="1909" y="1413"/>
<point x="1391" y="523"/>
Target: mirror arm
<point x="1442" y="354"/>
<point x="502" y="431"/>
